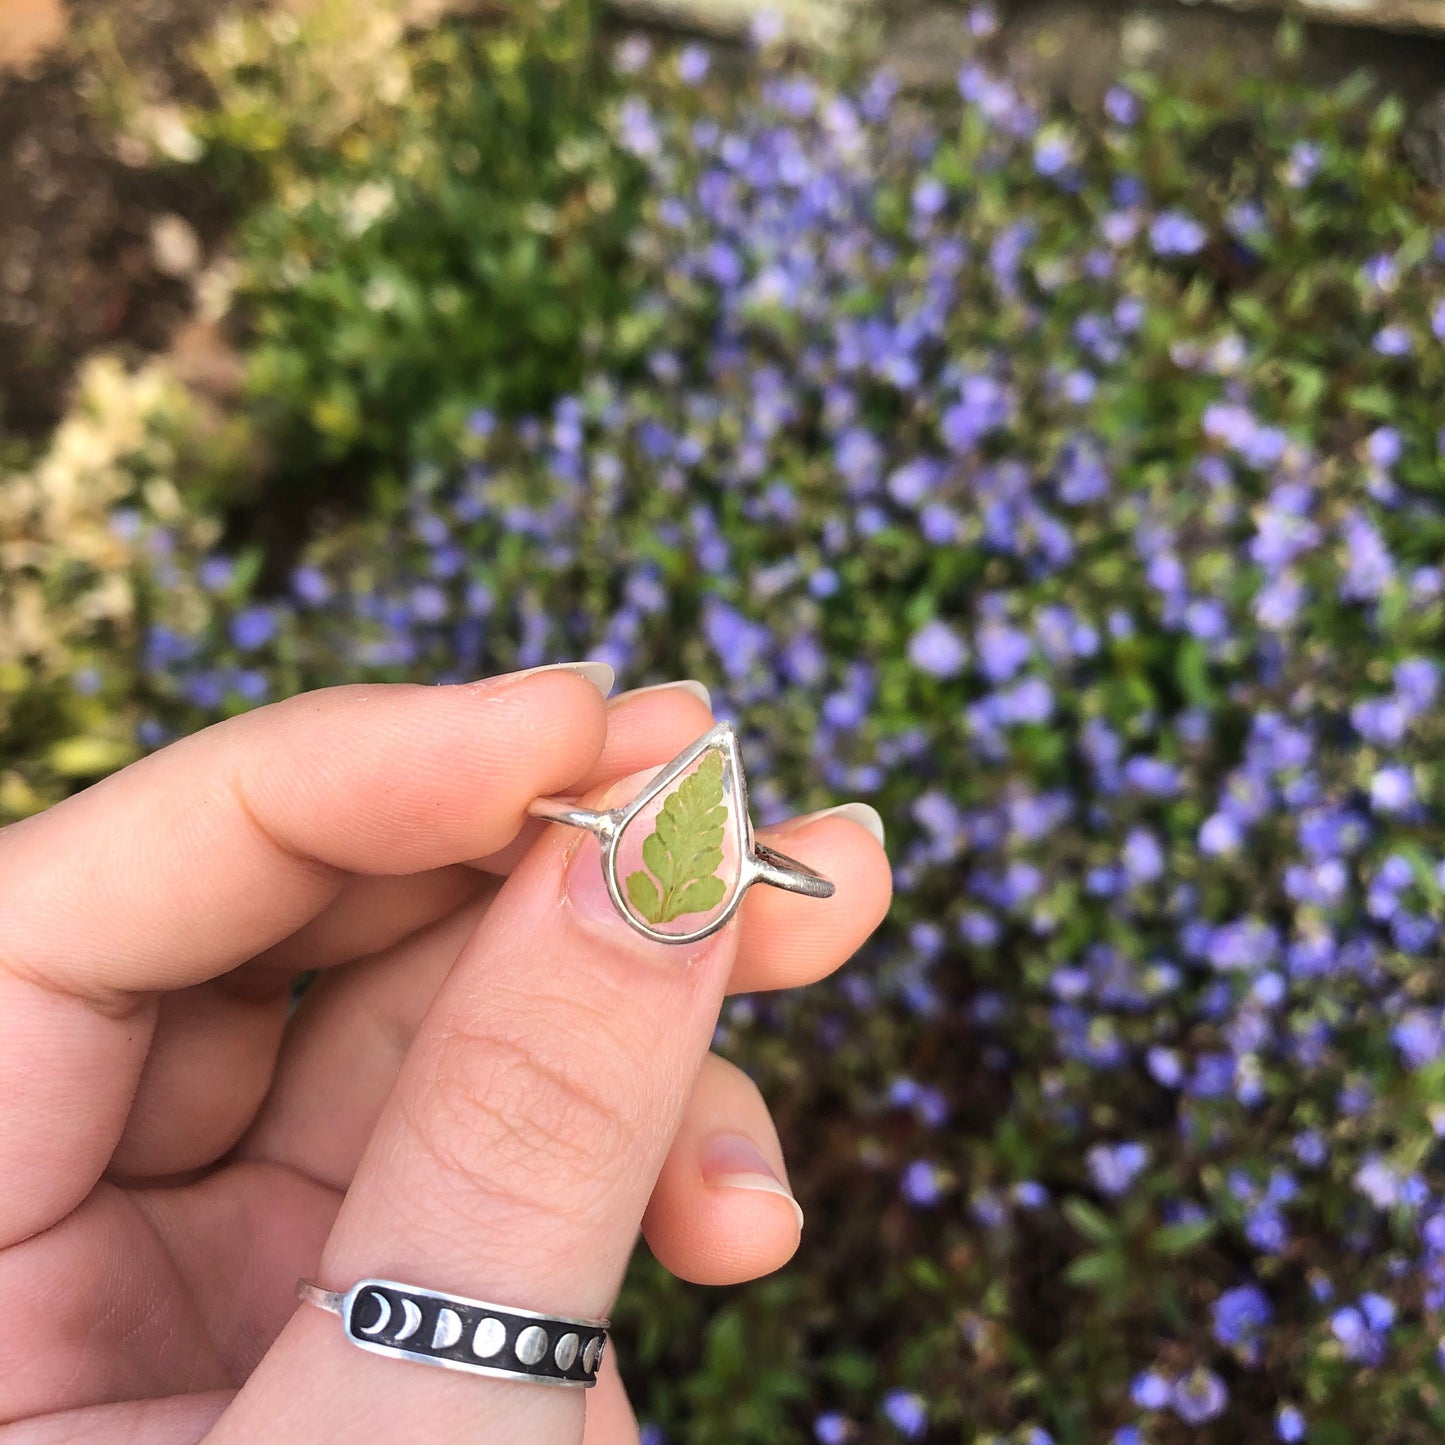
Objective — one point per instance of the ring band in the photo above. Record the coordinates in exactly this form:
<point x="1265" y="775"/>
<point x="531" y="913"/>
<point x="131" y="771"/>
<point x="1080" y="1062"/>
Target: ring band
<point x="754" y="862"/>
<point x="432" y="1328"/>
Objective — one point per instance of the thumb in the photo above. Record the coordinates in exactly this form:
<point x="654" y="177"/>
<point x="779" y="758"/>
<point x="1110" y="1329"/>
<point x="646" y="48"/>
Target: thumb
<point x="513" y="1161"/>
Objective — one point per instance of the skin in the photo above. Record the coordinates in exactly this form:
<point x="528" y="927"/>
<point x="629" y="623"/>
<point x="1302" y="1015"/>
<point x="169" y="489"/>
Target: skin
<point x="492" y="1087"/>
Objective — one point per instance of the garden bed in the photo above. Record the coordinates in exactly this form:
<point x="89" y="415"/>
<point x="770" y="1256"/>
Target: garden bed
<point x="1065" y="482"/>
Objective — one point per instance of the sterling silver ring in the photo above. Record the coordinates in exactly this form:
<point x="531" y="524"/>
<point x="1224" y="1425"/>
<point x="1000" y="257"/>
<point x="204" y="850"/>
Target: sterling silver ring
<point x="389" y="1318"/>
<point x="678" y="858"/>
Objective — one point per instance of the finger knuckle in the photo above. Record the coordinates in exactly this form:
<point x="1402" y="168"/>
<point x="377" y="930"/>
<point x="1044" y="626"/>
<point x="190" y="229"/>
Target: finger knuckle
<point x="519" y="1119"/>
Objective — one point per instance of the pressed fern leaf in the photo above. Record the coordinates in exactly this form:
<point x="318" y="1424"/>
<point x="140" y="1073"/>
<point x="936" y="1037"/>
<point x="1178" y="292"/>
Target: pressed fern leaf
<point x="684" y="850"/>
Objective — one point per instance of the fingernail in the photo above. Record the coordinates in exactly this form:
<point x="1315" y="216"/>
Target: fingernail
<point x="599" y="674"/>
<point x="684" y="684"/>
<point x="585" y="885"/>
<point x="733" y="1161"/>
<point x="861" y="813"/>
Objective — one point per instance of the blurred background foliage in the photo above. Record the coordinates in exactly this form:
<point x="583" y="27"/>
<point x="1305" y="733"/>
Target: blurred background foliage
<point x="1067" y="484"/>
<point x="444" y="236"/>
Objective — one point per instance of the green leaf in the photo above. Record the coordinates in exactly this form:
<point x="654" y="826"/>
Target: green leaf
<point x="1101" y="1270"/>
<point x="684" y="850"/>
<point x="1092" y="1223"/>
<point x="1177" y="1239"/>
<point x="643" y="895"/>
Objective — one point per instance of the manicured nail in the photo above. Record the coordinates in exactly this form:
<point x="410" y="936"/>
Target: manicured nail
<point x="861" y="813"/>
<point x="599" y="674"/>
<point x="684" y="684"/>
<point x="733" y="1161"/>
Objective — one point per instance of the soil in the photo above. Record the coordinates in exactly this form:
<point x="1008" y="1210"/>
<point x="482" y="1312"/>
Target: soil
<point x="77" y="269"/>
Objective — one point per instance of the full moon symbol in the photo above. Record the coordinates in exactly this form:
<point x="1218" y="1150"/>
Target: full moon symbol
<point x="383" y="1317"/>
<point x="411" y="1320"/>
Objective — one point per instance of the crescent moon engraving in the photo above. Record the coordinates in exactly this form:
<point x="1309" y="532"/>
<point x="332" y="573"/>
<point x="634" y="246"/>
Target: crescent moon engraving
<point x="411" y="1320"/>
<point x="448" y="1329"/>
<point x="383" y="1317"/>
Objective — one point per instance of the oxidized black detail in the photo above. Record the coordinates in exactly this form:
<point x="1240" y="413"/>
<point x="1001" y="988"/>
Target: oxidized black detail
<point x="462" y="1334"/>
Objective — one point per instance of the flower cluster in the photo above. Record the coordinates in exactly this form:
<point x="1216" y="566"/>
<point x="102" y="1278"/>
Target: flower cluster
<point x="1087" y="518"/>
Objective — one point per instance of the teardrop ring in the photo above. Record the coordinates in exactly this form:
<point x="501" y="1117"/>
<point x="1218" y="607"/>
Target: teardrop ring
<point x="685" y="878"/>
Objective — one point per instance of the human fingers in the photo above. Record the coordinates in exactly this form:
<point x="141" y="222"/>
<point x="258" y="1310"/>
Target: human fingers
<point x="722" y="1211"/>
<point x="184" y="864"/>
<point x="174" y="1420"/>
<point x="371" y="914"/>
<point x="610" y="1418"/>
<point x="343" y="1049"/>
<point x="516" y="1153"/>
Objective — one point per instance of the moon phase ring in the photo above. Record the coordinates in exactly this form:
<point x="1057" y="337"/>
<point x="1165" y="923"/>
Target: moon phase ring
<point x="431" y="1328"/>
<point x="662" y="885"/>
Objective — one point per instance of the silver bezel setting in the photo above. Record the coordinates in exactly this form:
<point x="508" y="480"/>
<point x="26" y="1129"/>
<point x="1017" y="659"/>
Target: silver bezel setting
<point x="757" y="863"/>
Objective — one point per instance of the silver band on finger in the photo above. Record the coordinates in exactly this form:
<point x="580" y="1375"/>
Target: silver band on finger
<point x="502" y="1341"/>
<point x="688" y="878"/>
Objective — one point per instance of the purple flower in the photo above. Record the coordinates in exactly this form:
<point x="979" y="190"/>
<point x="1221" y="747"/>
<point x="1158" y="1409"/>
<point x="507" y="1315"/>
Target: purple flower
<point x="1030" y="701"/>
<point x="1393" y="341"/>
<point x="1360" y="1329"/>
<point x="638" y="129"/>
<point x="1220" y="835"/>
<point x="1368" y="566"/>
<point x="1200" y="1396"/>
<point x="1121" y="106"/>
<point x="938" y="650"/>
<point x="1420" y="1037"/>
<point x="910" y="484"/>
<point x="1115" y="1167"/>
<point x="1175" y="234"/>
<point x="1150" y="1390"/>
<point x="693" y="62"/>
<point x="907" y="1413"/>
<point x="310" y="585"/>
<point x="1240" y="1317"/>
<point x="1143" y="857"/>
<point x="1392" y="790"/>
<point x="215" y="573"/>
<point x="1384" y="447"/>
<point x="832" y="1429"/>
<point x="740" y="644"/>
<point x="1266" y="1230"/>
<point x="1002" y="650"/>
<point x="1053" y="151"/>
<point x="1417" y="682"/>
<point x="1152" y="776"/>
<point x="1378" y="1311"/>
<point x="1289" y="1425"/>
<point x="983" y="407"/>
<point x="1304" y="162"/>
<point x="253" y="627"/>
<point x="930" y="196"/>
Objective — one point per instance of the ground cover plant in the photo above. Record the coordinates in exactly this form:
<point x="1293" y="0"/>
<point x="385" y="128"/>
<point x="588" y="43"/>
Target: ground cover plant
<point x="436" y="218"/>
<point x="1070" y="487"/>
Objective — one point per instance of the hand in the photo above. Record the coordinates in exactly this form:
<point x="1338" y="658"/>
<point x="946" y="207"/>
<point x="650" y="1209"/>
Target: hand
<point x="493" y="1082"/>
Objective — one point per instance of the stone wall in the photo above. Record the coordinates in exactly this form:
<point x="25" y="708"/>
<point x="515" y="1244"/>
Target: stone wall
<point x="1397" y="14"/>
<point x="827" y="20"/>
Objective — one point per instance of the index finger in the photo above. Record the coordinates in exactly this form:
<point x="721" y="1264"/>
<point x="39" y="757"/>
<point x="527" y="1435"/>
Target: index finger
<point x="189" y="862"/>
